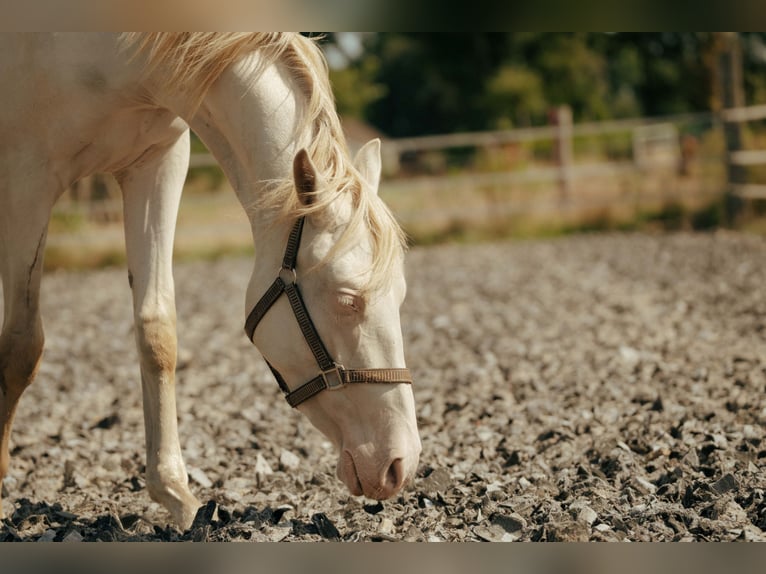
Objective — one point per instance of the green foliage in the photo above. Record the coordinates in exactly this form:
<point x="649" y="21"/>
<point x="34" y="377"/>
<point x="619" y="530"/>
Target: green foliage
<point x="355" y="87"/>
<point x="575" y="74"/>
<point x="515" y="97"/>
<point x="66" y="221"/>
<point x="426" y="83"/>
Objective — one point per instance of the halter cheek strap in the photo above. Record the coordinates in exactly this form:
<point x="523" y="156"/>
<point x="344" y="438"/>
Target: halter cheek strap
<point x="332" y="375"/>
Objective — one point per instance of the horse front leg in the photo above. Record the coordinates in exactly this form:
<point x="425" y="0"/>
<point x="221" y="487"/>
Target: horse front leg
<point x="151" y="194"/>
<point x="23" y="230"/>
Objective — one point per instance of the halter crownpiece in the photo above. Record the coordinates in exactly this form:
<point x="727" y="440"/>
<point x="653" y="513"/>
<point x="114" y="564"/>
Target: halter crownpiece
<point x="332" y="375"/>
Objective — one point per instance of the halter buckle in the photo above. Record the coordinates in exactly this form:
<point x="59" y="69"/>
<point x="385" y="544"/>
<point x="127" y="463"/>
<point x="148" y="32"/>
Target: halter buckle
<point x="332" y="378"/>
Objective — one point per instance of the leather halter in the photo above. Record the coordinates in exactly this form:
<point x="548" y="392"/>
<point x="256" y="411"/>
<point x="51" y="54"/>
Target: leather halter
<point x="333" y="376"/>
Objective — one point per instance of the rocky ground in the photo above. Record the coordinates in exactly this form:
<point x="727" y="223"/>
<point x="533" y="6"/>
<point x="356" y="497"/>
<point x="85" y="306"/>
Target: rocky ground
<point x="605" y="387"/>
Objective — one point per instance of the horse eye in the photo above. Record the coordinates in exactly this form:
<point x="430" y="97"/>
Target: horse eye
<point x="350" y="303"/>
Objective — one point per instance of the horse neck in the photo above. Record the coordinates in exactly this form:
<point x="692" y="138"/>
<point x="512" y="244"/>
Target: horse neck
<point x="249" y="122"/>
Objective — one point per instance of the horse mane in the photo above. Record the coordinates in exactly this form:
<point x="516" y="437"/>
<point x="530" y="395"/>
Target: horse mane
<point x="192" y="62"/>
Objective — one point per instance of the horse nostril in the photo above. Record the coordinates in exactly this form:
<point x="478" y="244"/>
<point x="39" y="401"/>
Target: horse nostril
<point x="394" y="475"/>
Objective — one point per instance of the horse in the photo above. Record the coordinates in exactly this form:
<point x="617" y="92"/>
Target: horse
<point x="322" y="303"/>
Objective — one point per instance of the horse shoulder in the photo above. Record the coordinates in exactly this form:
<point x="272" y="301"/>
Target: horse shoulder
<point x="77" y="106"/>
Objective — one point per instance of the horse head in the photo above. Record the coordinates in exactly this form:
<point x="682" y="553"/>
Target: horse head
<point x="342" y="272"/>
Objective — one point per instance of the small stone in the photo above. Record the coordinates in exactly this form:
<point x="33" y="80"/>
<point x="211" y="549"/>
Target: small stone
<point x="48" y="536"/>
<point x="233" y="496"/>
<point x="601" y="527"/>
<point x="278" y="533"/>
<point x="373" y="508"/>
<point x="64" y="515"/>
<point x="587" y="514"/>
<point x="630" y="355"/>
<point x="69" y="474"/>
<point x="283" y="514"/>
<point x="325" y="527"/>
<point x="494" y="487"/>
<point x="413" y="535"/>
<point x="581" y="512"/>
<point x="484" y="434"/>
<point x="288" y="460"/>
<point x="198" y="475"/>
<point x="491" y="533"/>
<point x="643" y="485"/>
<point x="719" y="441"/>
<point x="262" y="467"/>
<point x="73" y="536"/>
<point x="386" y="526"/>
<point x="438" y="481"/>
<point x="9" y="483"/>
<point x="204" y="515"/>
<point x="435" y="538"/>
<point x="524" y="484"/>
<point x="623" y="446"/>
<point x="495" y="491"/>
<point x="725" y="484"/>
<point x="509" y="522"/>
<point x="107" y="422"/>
<point x="691" y="458"/>
<point x="568" y="531"/>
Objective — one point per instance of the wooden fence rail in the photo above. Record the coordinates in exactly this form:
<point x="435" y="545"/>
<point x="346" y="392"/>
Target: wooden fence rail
<point x="740" y="158"/>
<point x="645" y="134"/>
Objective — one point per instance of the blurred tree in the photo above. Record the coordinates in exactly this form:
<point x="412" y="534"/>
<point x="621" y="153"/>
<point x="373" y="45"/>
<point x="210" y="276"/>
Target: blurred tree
<point x="573" y="73"/>
<point x="424" y="83"/>
<point x="435" y="82"/>
<point x="674" y="72"/>
<point x="754" y="62"/>
<point x="356" y="88"/>
<point x="515" y="97"/>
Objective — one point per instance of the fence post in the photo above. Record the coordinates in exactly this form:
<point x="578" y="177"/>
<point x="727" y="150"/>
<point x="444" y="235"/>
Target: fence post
<point x="732" y="96"/>
<point x="563" y="121"/>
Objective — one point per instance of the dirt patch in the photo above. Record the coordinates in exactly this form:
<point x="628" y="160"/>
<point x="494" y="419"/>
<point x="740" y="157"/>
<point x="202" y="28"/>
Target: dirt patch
<point x="588" y="388"/>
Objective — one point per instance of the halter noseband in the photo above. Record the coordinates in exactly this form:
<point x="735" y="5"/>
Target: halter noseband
<point x="333" y="376"/>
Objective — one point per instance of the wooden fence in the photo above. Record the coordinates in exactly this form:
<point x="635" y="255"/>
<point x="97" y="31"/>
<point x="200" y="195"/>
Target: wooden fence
<point x="745" y="157"/>
<point x="653" y="141"/>
<point x="647" y="134"/>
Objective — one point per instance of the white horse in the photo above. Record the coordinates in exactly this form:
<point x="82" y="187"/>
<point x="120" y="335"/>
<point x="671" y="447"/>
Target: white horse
<point x="75" y="104"/>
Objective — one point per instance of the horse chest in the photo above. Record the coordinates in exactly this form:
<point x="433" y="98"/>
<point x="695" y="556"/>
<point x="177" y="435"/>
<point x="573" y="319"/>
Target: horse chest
<point x="123" y="138"/>
<point x="109" y="142"/>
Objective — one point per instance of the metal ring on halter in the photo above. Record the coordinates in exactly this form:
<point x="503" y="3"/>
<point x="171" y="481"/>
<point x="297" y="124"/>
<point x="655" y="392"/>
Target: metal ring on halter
<point x="333" y="378"/>
<point x="293" y="279"/>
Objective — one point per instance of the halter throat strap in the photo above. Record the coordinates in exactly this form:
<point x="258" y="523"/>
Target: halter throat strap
<point x="332" y="376"/>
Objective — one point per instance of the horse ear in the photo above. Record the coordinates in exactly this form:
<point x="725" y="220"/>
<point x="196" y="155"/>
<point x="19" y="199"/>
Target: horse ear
<point x="305" y="176"/>
<point x="368" y="162"/>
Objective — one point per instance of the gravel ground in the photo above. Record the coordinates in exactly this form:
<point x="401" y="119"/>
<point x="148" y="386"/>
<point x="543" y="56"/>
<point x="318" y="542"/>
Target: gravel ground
<point x="605" y="387"/>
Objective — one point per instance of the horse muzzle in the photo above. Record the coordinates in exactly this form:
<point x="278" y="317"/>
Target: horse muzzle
<point x="364" y="475"/>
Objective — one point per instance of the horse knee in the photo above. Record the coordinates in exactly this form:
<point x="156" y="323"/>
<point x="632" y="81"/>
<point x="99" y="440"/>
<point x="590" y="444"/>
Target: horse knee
<point x="20" y="354"/>
<point x="156" y="339"/>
